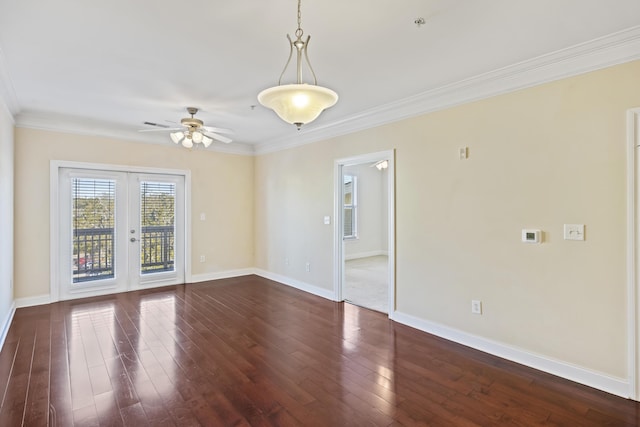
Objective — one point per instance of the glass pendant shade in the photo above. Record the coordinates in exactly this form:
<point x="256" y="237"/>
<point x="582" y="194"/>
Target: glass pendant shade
<point x="298" y="104"/>
<point x="187" y="143"/>
<point x="177" y="137"/>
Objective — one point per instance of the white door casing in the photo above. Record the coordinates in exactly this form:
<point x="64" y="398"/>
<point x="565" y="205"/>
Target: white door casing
<point x="338" y="263"/>
<point x="128" y="275"/>
<point x="633" y="252"/>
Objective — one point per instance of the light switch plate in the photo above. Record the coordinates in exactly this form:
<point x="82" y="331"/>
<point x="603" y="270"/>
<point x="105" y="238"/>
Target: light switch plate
<point x="574" y="232"/>
<point x="327" y="220"/>
<point x="476" y="307"/>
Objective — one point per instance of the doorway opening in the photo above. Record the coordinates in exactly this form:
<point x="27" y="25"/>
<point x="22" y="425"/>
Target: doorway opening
<point x="365" y="231"/>
<point x="116" y="230"/>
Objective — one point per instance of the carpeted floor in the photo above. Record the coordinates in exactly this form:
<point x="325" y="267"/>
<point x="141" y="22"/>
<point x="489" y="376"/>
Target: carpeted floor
<point x="366" y="282"/>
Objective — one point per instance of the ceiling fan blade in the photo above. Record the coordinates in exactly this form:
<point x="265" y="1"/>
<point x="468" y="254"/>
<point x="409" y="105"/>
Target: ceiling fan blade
<point x="217" y="130"/>
<point x="218" y="137"/>
<point x="160" y="130"/>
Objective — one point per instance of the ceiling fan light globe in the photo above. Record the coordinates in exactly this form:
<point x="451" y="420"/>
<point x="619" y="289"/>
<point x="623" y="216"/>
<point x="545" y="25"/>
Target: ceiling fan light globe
<point x="194" y="132"/>
<point x="197" y="137"/>
<point x="298" y="103"/>
<point x="177" y="137"/>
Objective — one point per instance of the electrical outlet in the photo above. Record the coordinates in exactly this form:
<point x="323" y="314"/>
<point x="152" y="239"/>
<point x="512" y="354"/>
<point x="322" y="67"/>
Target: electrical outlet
<point x="202" y="258"/>
<point x="307" y="267"/>
<point x="476" y="307"/>
<point x="286" y="261"/>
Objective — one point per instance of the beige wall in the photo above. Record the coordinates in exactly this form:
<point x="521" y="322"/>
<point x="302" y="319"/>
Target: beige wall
<point x="221" y="187"/>
<point x="538" y="158"/>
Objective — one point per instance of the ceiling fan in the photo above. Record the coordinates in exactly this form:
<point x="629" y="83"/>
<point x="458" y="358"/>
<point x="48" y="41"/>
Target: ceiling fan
<point x="193" y="131"/>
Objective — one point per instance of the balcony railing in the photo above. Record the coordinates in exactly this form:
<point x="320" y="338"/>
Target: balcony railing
<point x="157" y="248"/>
<point x="93" y="252"/>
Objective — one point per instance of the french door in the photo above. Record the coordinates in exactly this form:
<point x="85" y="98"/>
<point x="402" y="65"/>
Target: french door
<point x="119" y="231"/>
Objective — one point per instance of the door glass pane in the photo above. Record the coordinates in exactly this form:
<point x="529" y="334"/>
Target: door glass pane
<point x="157" y="221"/>
<point x="93" y="233"/>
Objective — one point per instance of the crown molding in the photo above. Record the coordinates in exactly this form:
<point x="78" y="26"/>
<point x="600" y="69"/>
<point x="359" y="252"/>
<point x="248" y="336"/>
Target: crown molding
<point x="53" y="122"/>
<point x="606" y="51"/>
<point x="612" y="49"/>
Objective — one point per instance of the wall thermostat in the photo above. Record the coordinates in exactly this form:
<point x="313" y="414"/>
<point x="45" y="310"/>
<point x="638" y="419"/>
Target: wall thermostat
<point x="531" y="236"/>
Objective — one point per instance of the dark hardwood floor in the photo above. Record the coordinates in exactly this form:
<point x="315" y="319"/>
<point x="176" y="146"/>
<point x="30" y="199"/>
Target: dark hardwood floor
<point x="249" y="351"/>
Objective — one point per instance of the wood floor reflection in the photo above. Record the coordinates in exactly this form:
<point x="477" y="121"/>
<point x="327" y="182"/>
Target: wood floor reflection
<point x="249" y="351"/>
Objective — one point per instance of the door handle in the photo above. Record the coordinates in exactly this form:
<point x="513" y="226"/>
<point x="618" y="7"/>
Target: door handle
<point x="133" y="239"/>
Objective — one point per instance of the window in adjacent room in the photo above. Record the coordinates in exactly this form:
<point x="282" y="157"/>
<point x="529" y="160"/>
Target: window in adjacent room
<point x="350" y="207"/>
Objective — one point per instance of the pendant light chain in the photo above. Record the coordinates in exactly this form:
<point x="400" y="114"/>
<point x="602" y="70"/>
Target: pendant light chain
<point x="299" y="31"/>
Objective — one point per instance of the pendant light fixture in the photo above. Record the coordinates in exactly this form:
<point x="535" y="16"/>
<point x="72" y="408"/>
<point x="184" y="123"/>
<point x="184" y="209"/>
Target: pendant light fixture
<point x="298" y="103"/>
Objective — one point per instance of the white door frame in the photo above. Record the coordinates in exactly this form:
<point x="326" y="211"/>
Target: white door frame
<point x="54" y="213"/>
<point x="338" y="260"/>
<point x="633" y="252"/>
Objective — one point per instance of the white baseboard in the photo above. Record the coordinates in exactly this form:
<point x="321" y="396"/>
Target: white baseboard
<point x="312" y="289"/>
<point x="196" y="278"/>
<point x="359" y="255"/>
<point x="33" y="301"/>
<point x="618" y="386"/>
<point x="6" y="324"/>
<point x="46" y="299"/>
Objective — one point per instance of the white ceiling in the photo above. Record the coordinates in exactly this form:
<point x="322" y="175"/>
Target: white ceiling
<point x="107" y="67"/>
